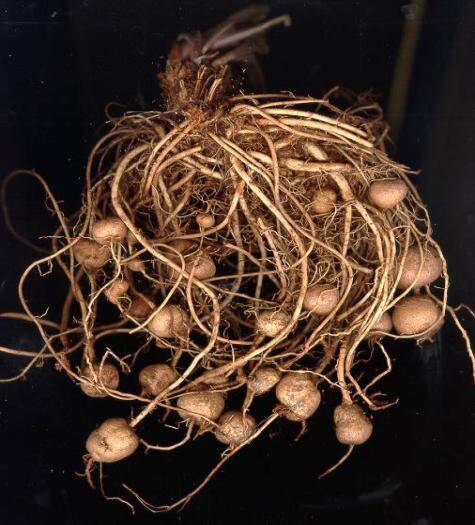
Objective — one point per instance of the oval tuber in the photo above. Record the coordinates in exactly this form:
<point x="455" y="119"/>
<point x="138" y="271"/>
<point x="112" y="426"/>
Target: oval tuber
<point x="235" y="428"/>
<point x="170" y="321"/>
<point x="205" y="403"/>
<point x="271" y="323"/>
<point x="416" y="314"/>
<point x="352" y="426"/>
<point x="109" y="230"/>
<point x="157" y="377"/>
<point x="387" y="193"/>
<point x="429" y="267"/>
<point x="321" y="299"/>
<point x="299" y="395"/>
<point x="324" y="200"/>
<point x="114" y="440"/>
<point x="90" y="254"/>
<point x="106" y="375"/>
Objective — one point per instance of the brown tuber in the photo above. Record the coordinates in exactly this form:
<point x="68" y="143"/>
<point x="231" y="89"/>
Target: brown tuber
<point x="352" y="426"/>
<point x="299" y="395"/>
<point x="157" y="377"/>
<point x="417" y="314"/>
<point x="205" y="403"/>
<point x="136" y="265"/>
<point x="383" y="324"/>
<point x="429" y="267"/>
<point x="324" y="200"/>
<point x="170" y="321"/>
<point x="117" y="291"/>
<point x="139" y="308"/>
<point x="205" y="220"/>
<point x="271" y="323"/>
<point x="112" y="441"/>
<point x="109" y="230"/>
<point x="235" y="428"/>
<point x="182" y="245"/>
<point x="263" y="379"/>
<point x="387" y="193"/>
<point x="321" y="299"/>
<point x="106" y="375"/>
<point x="203" y="266"/>
<point x="90" y="254"/>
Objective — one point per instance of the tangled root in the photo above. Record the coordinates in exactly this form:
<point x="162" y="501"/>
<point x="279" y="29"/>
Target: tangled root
<point x="261" y="242"/>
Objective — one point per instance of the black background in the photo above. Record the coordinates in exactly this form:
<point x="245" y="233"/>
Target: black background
<point x="61" y="63"/>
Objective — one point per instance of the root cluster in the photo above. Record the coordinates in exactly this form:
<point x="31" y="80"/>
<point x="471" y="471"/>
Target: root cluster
<point x="264" y="244"/>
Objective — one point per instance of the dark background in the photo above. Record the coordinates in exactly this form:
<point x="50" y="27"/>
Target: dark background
<point x="61" y="63"/>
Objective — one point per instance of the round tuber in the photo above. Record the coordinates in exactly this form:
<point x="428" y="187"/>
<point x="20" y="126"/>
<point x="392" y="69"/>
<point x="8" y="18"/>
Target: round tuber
<point x="181" y="245"/>
<point x="136" y="265"/>
<point x="429" y="267"/>
<point x="387" y="193"/>
<point x="155" y="378"/>
<point x="324" y="200"/>
<point x="170" y="321"/>
<point x="205" y="403"/>
<point x="117" y="291"/>
<point x="299" y="395"/>
<point x="383" y="324"/>
<point x="263" y="379"/>
<point x="109" y="230"/>
<point x="352" y="426"/>
<point x="321" y="299"/>
<point x="205" y="220"/>
<point x="106" y="375"/>
<point x="139" y="308"/>
<point x="271" y="323"/>
<point x="417" y="314"/>
<point x="112" y="441"/>
<point x="235" y="428"/>
<point x="203" y="266"/>
<point x="90" y="254"/>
